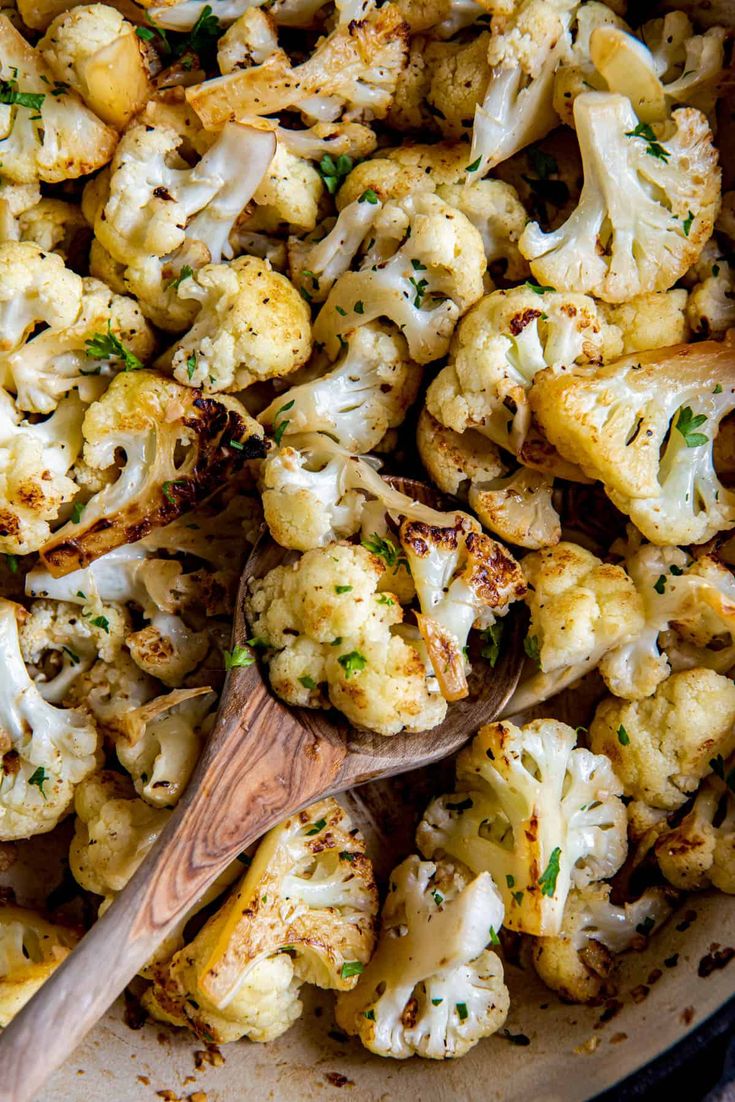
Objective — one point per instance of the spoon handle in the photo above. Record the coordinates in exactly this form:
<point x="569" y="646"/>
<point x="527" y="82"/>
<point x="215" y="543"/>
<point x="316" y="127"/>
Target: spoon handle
<point x="259" y="765"/>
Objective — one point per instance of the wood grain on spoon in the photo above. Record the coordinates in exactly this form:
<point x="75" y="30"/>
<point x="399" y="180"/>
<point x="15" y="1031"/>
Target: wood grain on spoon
<point x="262" y="761"/>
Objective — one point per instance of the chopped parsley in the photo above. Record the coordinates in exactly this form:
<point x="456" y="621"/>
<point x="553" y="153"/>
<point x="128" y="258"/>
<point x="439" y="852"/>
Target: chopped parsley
<point x="185" y="273"/>
<point x="38" y="778"/>
<point x="369" y="1014"/>
<point x="510" y="880"/>
<point x="238" y="658"/>
<point x="101" y="622"/>
<point x="73" y="658"/>
<point x="660" y="584"/>
<point x="12" y="563"/>
<point x="491" y="643"/>
<point x="548" y="878"/>
<point x="474" y="166"/>
<point x="334" y="171"/>
<point x="281" y="426"/>
<point x="385" y="599"/>
<point x="718" y="389"/>
<point x="76" y="511"/>
<point x="645" y="132"/>
<point x="462" y="1011"/>
<point x="687" y="223"/>
<point x="438" y="898"/>
<point x="419" y="286"/>
<point x="345" y="855"/>
<point x="386" y="550"/>
<point x="352" y="968"/>
<point x="191" y="366"/>
<point x="11" y="94"/>
<point x="623" y="736"/>
<point x="307" y="682"/>
<point x="359" y="307"/>
<point x="538" y="288"/>
<point x="316" y="828"/>
<point x="646" y="926"/>
<point x="437" y="1002"/>
<point x="343" y="589"/>
<point x="687" y="422"/>
<point x="494" y="939"/>
<point x="107" y="346"/>
<point x="532" y="647"/>
<point x="353" y="662"/>
<point x="368" y="196"/>
<point x="517" y="898"/>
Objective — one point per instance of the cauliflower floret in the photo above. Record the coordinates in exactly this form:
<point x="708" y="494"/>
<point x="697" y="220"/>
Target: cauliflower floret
<point x="463" y="579"/>
<point x="34" y="466"/>
<point x="52" y="224"/>
<point x="700" y="851"/>
<point x="159" y="218"/>
<point x="366" y="393"/>
<point x="655" y="320"/>
<point x="162" y="743"/>
<point x="354" y="70"/>
<point x="318" y="260"/>
<point x="96" y="51"/>
<point x="538" y="814"/>
<point x="500" y="346"/>
<point x="635" y="424"/>
<point x="433" y="987"/>
<point x="316" y="491"/>
<point x="524" y="51"/>
<point x="288" y="195"/>
<point x="711" y="305"/>
<point x="111" y="692"/>
<point x="648" y="204"/>
<point x="178" y="448"/>
<point x="577" y="73"/>
<point x="114" y="831"/>
<point x="252" y="325"/>
<point x="457" y="76"/>
<point x="168" y="649"/>
<point x="694" y="598"/>
<point x="493" y="208"/>
<point x="674" y="66"/>
<point x="579" y="962"/>
<point x="304" y="912"/>
<point x="331" y="630"/>
<point x="516" y="506"/>
<point x="662" y="747"/>
<point x="46" y="750"/>
<point x="424" y="250"/>
<point x="47" y="133"/>
<point x="31" y="949"/>
<point x="34" y="287"/>
<point x="580" y="606"/>
<point x="108" y="335"/>
<point x="60" y="643"/>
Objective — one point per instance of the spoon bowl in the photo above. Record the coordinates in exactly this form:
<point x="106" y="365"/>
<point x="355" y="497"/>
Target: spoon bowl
<point x="263" y="761"/>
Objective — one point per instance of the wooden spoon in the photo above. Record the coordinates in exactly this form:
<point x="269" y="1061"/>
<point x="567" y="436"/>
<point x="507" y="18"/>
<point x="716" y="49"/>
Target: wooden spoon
<point x="262" y="761"/>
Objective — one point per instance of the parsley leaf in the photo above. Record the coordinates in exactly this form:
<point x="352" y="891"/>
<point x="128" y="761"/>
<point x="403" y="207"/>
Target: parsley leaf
<point x="491" y="639"/>
<point x="185" y="273"/>
<point x="307" y="682"/>
<point x="107" y="346"/>
<point x="238" y="658"/>
<point x="623" y="736"/>
<point x="474" y="166"/>
<point x="167" y="489"/>
<point x="38" y="779"/>
<point x="645" y="132"/>
<point x="316" y="828"/>
<point x="343" y="589"/>
<point x="10" y="94"/>
<point x="101" y="622"/>
<point x="353" y="662"/>
<point x="687" y="223"/>
<point x="687" y="422"/>
<point x="660" y="584"/>
<point x="532" y="647"/>
<point x="386" y="549"/>
<point x="334" y="171"/>
<point x="281" y="427"/>
<point x="548" y="878"/>
<point x="76" y="511"/>
<point x="419" y="286"/>
<point x="537" y="288"/>
<point x="12" y="563"/>
<point x="462" y="1011"/>
<point x="368" y="196"/>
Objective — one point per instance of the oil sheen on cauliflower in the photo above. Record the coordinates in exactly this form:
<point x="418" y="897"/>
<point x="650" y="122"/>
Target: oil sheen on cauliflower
<point x="330" y="631"/>
<point x="644" y="426"/>
<point x="434" y="987"/>
<point x="661" y="747"/>
<point x="304" y="912"/>
<point x="648" y="203"/>
<point x="538" y="813"/>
